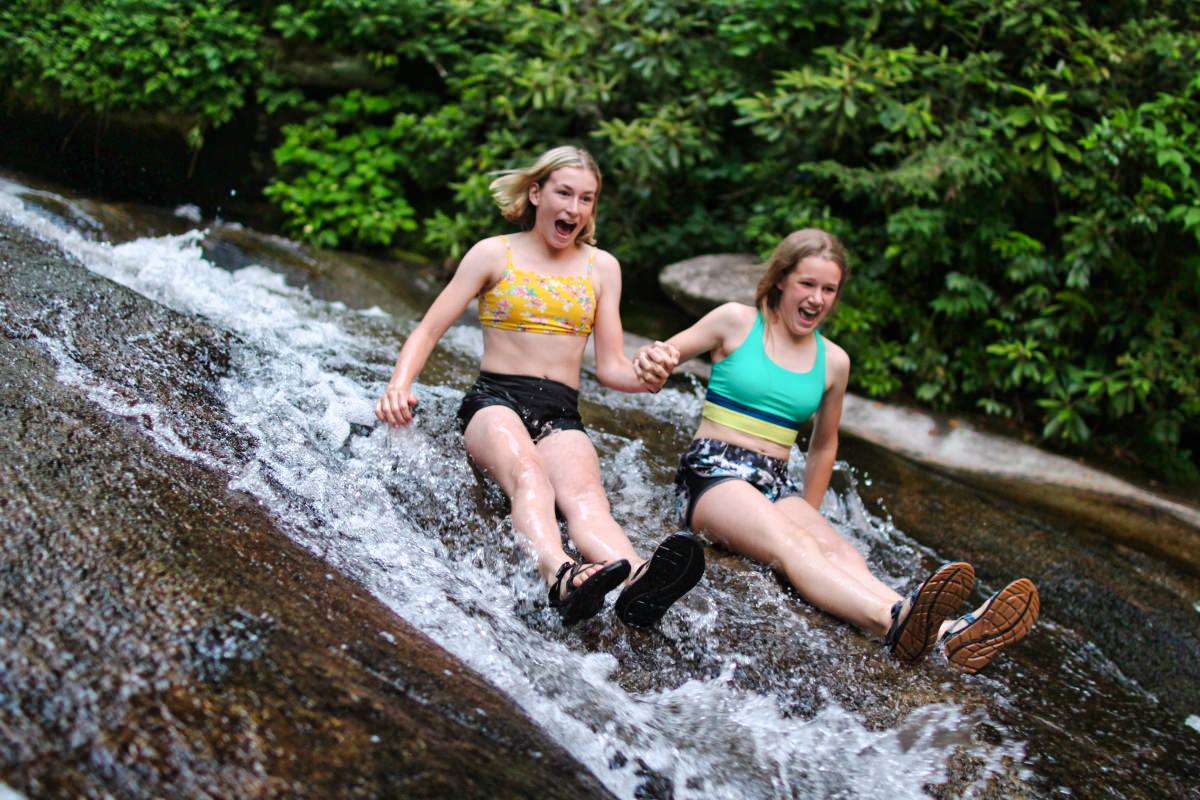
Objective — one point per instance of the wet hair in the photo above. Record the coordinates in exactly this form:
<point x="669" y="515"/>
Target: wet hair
<point x="511" y="189"/>
<point x="795" y="247"/>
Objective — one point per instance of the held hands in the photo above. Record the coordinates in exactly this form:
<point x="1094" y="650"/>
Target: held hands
<point x="396" y="406"/>
<point x="653" y="364"/>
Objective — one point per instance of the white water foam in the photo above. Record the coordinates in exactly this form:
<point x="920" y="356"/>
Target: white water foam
<point x="387" y="507"/>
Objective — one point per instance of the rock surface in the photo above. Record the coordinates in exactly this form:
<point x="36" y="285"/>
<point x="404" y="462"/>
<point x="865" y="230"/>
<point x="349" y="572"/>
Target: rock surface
<point x="702" y="283"/>
<point x="739" y="641"/>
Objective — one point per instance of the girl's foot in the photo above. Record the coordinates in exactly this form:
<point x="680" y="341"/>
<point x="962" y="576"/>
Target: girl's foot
<point x="975" y="639"/>
<point x="576" y="603"/>
<point x="916" y="619"/>
<point x="676" y="566"/>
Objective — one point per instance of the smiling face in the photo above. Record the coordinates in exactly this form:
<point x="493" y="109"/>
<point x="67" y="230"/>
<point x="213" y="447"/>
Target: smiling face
<point x="807" y="294"/>
<point x="565" y="203"/>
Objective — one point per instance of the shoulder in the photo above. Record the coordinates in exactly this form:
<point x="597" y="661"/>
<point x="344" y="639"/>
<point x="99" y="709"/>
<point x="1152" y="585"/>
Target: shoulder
<point x="491" y="247"/>
<point x="606" y="270"/>
<point x="736" y="313"/>
<point x="486" y="257"/>
<point x="730" y="320"/>
<point x="837" y="360"/>
<point x="725" y="327"/>
<point x="604" y="262"/>
<point x="834" y="352"/>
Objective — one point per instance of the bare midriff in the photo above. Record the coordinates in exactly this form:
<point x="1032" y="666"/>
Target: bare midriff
<point x="540" y="355"/>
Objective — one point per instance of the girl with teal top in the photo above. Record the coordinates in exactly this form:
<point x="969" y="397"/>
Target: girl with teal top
<point x="773" y="371"/>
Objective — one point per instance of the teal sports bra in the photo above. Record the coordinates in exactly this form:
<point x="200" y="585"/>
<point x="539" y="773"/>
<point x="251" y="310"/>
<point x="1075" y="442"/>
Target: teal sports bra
<point x="749" y="392"/>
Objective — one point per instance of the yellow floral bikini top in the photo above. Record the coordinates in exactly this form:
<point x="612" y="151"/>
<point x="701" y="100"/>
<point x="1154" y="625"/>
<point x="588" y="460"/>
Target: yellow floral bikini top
<point x="528" y="301"/>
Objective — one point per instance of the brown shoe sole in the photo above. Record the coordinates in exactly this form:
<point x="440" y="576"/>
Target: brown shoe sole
<point x="1005" y="620"/>
<point x="941" y="597"/>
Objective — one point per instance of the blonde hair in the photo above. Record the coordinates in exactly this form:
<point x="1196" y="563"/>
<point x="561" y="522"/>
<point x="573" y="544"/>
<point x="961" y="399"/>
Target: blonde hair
<point x="797" y="246"/>
<point x="511" y="189"/>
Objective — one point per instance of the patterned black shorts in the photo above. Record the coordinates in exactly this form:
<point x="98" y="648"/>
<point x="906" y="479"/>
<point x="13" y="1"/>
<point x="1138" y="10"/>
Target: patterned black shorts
<point x="708" y="462"/>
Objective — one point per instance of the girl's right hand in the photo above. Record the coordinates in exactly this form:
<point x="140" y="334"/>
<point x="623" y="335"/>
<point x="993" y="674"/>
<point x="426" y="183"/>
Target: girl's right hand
<point x="396" y="406"/>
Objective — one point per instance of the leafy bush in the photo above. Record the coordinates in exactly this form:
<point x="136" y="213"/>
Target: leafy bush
<point x="195" y="59"/>
<point x="1021" y="180"/>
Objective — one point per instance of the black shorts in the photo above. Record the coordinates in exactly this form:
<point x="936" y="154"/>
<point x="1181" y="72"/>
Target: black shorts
<point x="708" y="462"/>
<point x="544" y="406"/>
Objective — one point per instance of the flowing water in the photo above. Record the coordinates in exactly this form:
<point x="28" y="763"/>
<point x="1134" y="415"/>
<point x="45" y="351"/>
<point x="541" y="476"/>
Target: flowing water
<point x="742" y="692"/>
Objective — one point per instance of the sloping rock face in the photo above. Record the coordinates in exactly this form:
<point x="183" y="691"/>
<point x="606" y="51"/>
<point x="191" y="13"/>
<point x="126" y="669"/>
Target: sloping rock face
<point x="159" y="636"/>
<point x="163" y="639"/>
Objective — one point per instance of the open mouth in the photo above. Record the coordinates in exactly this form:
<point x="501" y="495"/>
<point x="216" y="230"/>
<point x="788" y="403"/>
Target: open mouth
<point x="564" y="228"/>
<point x="806" y="315"/>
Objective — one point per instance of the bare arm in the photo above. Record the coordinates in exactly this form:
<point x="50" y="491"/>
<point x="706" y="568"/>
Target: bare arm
<point x="823" y="445"/>
<point x="477" y="270"/>
<point x="613" y="367"/>
<point x="717" y="332"/>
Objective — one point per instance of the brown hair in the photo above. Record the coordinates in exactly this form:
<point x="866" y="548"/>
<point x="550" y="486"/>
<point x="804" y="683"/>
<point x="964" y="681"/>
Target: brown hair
<point x="511" y="189"/>
<point x="797" y="246"/>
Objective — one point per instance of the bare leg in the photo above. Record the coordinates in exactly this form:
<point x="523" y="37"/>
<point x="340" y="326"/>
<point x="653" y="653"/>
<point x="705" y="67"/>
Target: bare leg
<point x="574" y="473"/>
<point x="736" y="515"/>
<point x="837" y="550"/>
<point x="677" y="564"/>
<point x="497" y="441"/>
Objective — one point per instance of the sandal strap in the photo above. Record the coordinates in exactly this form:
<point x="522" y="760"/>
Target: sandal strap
<point x="897" y="623"/>
<point x="890" y="638"/>
<point x="968" y="618"/>
<point x="556" y="595"/>
<point x="959" y="625"/>
<point x="569" y="570"/>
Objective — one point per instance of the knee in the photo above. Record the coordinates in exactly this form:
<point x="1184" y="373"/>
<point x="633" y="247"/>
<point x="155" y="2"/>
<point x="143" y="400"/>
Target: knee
<point x="528" y="474"/>
<point x="841" y="550"/>
<point x="588" y="502"/>
<point x="793" y="543"/>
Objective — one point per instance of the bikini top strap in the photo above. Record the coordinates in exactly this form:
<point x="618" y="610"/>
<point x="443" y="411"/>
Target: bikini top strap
<point x="591" y="258"/>
<point x="507" y="252"/>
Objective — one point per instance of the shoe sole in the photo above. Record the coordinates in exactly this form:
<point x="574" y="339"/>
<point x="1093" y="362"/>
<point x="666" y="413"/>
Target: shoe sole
<point x="1006" y="619"/>
<point x="588" y="599"/>
<point x="676" y="566"/>
<point x="941" y="597"/>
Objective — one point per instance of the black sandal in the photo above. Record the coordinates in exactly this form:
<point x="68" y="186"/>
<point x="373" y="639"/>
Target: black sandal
<point x="676" y="566"/>
<point x="584" y="601"/>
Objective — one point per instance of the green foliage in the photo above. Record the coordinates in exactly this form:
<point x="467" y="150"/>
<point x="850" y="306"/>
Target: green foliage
<point x="344" y="185"/>
<point x="1018" y="183"/>
<point x="195" y="59"/>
